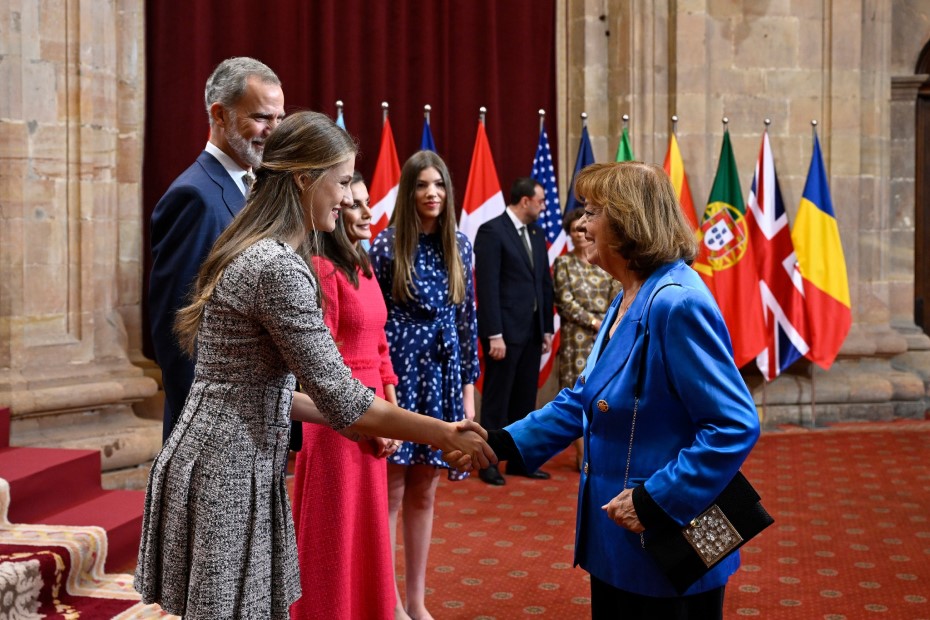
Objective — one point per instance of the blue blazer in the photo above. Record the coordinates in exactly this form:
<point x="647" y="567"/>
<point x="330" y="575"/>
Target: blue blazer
<point x="695" y="425"/>
<point x="186" y="222"/>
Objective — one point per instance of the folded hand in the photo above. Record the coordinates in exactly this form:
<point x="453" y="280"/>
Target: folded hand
<point x="621" y="511"/>
<point x="385" y="447"/>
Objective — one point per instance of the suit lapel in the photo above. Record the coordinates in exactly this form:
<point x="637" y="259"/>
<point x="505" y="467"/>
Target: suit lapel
<point x="232" y="195"/>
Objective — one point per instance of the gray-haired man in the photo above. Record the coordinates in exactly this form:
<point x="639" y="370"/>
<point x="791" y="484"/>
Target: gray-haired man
<point x="244" y="102"/>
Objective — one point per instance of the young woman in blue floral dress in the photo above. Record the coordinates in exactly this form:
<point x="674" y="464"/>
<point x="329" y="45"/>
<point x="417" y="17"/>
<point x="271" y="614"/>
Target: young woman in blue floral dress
<point x="424" y="267"/>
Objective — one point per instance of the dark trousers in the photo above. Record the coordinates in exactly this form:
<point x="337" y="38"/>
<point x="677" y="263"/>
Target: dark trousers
<point x="610" y="603"/>
<point x="509" y="391"/>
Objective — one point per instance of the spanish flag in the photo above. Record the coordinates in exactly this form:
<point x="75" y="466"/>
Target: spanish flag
<point x="816" y="238"/>
<point x="675" y="168"/>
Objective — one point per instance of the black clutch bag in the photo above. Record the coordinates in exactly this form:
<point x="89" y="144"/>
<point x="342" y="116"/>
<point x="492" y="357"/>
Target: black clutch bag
<point x="685" y="554"/>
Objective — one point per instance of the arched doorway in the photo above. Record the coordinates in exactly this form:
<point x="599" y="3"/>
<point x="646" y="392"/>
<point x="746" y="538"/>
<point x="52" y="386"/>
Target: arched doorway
<point x="922" y="196"/>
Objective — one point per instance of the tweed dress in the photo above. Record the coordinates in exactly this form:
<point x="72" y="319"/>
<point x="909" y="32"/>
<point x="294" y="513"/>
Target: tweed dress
<point x="217" y="534"/>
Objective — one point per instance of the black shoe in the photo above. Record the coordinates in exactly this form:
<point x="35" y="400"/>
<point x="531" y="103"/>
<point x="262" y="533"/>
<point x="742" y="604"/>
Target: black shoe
<point x="535" y="475"/>
<point x="491" y="475"/>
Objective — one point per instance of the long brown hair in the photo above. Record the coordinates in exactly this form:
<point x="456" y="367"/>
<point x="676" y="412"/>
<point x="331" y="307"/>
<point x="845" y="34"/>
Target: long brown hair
<point x="336" y="247"/>
<point x="407" y="228"/>
<point x="305" y="143"/>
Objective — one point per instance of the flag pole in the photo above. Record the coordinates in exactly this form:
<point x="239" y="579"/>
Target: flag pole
<point x="726" y="124"/>
<point x="426" y="111"/>
<point x="338" y="107"/>
<point x="482" y="112"/>
<point x="384" y="112"/>
<point x="765" y="380"/>
<point x="813" y="386"/>
<point x="675" y="124"/>
<point x="584" y="120"/>
<point x="626" y="120"/>
<point x="542" y="119"/>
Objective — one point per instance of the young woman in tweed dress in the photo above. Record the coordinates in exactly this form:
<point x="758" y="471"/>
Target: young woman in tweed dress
<point x="217" y="534"/>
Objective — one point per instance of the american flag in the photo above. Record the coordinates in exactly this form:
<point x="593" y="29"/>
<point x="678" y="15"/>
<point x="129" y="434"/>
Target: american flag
<point x="551" y="223"/>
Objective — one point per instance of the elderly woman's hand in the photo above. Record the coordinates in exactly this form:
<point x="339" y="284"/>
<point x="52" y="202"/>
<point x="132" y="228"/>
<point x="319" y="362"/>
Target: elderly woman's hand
<point x="620" y="510"/>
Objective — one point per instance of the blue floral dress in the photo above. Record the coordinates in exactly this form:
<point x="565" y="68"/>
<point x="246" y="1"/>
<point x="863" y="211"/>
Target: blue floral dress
<point x="433" y="343"/>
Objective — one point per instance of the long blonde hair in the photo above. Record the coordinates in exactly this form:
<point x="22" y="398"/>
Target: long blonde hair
<point x="305" y="143"/>
<point x="407" y="228"/>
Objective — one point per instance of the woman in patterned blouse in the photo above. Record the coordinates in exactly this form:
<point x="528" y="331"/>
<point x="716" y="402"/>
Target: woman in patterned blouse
<point x="424" y="267"/>
<point x="582" y="294"/>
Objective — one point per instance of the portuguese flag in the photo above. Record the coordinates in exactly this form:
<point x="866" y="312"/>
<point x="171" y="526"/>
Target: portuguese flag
<point x="726" y="241"/>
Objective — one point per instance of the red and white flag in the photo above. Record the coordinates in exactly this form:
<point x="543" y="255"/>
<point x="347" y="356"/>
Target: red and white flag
<point x="780" y="282"/>
<point x="384" y="182"/>
<point x="483" y="197"/>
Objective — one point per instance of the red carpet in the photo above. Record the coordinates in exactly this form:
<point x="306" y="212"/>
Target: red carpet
<point x="58" y="530"/>
<point x="851" y="538"/>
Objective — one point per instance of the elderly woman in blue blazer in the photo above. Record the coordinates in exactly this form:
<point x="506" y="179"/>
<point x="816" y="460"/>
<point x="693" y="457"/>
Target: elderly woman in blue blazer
<point x="695" y="422"/>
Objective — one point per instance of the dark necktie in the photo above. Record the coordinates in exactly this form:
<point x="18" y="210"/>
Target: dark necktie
<point x="526" y="244"/>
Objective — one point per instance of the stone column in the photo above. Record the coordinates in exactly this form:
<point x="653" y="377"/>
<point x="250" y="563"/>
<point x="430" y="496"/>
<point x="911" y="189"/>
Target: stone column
<point x="70" y="228"/>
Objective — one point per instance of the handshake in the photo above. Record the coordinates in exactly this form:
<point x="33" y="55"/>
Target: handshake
<point x="466" y="447"/>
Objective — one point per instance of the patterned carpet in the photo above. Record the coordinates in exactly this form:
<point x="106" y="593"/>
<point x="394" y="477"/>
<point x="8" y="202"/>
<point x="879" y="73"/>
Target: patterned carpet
<point x="57" y="572"/>
<point x="851" y="538"/>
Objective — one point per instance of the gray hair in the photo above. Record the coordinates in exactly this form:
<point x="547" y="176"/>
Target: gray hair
<point x="228" y="81"/>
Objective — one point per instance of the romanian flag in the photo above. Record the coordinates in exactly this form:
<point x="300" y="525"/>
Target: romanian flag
<point x="822" y="264"/>
<point x="736" y="281"/>
<point x="624" y="150"/>
<point x="483" y="197"/>
<point x="675" y="168"/>
<point x="384" y="182"/>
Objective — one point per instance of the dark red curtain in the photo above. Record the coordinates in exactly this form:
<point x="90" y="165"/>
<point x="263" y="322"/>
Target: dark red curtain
<point x="456" y="55"/>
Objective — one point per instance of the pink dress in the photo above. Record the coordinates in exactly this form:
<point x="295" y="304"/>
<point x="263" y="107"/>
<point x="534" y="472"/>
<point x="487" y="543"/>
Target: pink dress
<point x="340" y="486"/>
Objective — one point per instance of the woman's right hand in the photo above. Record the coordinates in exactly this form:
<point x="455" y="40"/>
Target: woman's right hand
<point x="466" y="447"/>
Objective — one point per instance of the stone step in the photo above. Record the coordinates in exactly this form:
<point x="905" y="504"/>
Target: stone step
<point x="117" y="512"/>
<point x="123" y="439"/>
<point x="48" y="480"/>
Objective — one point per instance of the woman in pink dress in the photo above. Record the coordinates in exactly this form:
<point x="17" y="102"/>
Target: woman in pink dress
<point x="340" y="486"/>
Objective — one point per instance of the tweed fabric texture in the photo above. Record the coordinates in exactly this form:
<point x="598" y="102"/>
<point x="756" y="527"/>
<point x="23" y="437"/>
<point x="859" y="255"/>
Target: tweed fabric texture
<point x="217" y="536"/>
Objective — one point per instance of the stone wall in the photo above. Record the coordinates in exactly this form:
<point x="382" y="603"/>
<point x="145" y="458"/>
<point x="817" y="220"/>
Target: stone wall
<point x="791" y="62"/>
<point x="71" y="127"/>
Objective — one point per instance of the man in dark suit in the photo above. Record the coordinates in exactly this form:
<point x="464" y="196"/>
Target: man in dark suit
<point x="514" y="287"/>
<point x="244" y="103"/>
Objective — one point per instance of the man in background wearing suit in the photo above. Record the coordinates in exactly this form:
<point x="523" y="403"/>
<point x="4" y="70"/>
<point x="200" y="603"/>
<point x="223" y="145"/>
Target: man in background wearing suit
<point x="514" y="288"/>
<point x="244" y="103"/>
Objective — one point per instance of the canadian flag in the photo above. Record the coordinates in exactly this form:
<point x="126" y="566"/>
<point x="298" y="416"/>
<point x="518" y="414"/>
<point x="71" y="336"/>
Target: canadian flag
<point x="384" y="182"/>
<point x="483" y="197"/>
